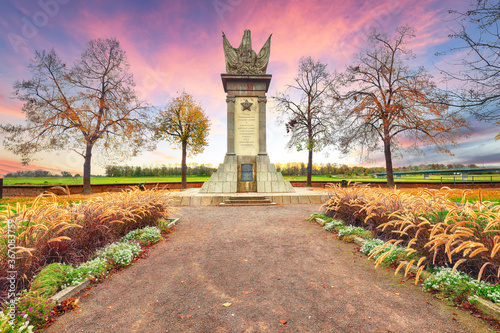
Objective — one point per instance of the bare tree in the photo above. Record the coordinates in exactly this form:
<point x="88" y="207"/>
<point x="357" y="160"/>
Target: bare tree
<point x="185" y="123"/>
<point x="477" y="72"/>
<point x="307" y="110"/>
<point x="89" y="105"/>
<point x="388" y="101"/>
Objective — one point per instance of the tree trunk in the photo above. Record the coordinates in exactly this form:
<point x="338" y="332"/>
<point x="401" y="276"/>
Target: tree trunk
<point x="86" y="171"/>
<point x="388" y="163"/>
<point x="309" y="168"/>
<point x="183" y="164"/>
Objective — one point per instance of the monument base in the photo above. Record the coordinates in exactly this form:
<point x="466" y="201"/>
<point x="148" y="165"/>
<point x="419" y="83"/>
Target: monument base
<point x="225" y="179"/>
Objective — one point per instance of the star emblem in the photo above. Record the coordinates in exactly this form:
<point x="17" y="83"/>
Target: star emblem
<point x="246" y="105"/>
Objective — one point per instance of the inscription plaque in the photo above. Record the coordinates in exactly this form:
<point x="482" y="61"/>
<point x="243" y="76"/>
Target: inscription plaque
<point x="246" y="126"/>
<point x="247" y="172"/>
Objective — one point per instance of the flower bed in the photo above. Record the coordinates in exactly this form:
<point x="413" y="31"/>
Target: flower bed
<point x="33" y="308"/>
<point x="48" y="232"/>
<point x="440" y="232"/>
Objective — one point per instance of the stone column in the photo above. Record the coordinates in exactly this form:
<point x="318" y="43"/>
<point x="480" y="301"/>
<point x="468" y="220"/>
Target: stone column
<point x="262" y="125"/>
<point x="230" y="124"/>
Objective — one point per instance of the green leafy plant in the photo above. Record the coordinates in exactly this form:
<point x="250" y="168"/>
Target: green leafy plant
<point x="36" y="308"/>
<point x="333" y="225"/>
<point x="322" y="216"/>
<point x="51" y="279"/>
<point x="451" y="284"/>
<point x="93" y="268"/>
<point x="20" y="324"/>
<point x="121" y="253"/>
<point x="370" y="244"/>
<point x="383" y="253"/>
<point x="146" y="235"/>
<point x="345" y="232"/>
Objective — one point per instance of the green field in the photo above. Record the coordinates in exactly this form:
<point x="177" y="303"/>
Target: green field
<point x="98" y="180"/>
<point x="137" y="180"/>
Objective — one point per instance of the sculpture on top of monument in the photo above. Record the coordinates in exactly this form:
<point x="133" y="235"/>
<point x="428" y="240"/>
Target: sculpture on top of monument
<point x="244" y="60"/>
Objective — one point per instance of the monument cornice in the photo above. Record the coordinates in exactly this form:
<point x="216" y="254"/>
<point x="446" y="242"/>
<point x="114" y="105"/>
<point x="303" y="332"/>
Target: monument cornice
<point x="234" y="78"/>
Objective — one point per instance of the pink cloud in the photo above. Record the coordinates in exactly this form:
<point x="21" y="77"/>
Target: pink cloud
<point x="173" y="46"/>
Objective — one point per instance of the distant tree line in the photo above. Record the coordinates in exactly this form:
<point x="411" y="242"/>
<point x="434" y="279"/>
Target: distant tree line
<point x="37" y="173"/>
<point x="328" y="169"/>
<point x="332" y="169"/>
<point x="199" y="170"/>
<point x="435" y="166"/>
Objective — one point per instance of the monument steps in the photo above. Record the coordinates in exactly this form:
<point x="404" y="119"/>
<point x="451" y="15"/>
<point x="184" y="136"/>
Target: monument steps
<point x="248" y="201"/>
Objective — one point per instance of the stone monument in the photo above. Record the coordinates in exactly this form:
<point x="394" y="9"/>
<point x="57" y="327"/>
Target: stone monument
<point x="246" y="166"/>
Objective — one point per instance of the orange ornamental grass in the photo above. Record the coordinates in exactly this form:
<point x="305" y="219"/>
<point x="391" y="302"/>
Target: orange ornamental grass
<point x="48" y="232"/>
<point x="456" y="194"/>
<point x="435" y="230"/>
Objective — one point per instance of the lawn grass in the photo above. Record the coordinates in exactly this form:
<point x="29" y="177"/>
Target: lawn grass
<point x="137" y="180"/>
<point x="405" y="178"/>
<point x="98" y="180"/>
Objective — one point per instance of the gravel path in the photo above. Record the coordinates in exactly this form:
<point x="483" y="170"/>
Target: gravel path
<point x="278" y="272"/>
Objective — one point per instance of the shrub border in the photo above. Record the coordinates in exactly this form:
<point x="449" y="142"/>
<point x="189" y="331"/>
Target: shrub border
<point x="73" y="290"/>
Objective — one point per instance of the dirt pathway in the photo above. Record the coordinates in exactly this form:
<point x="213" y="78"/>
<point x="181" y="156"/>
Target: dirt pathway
<point x="279" y="273"/>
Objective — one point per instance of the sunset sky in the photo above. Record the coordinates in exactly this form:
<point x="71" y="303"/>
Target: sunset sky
<point x="176" y="45"/>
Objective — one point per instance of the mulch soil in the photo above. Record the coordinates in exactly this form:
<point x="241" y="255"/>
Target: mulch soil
<point x="258" y="269"/>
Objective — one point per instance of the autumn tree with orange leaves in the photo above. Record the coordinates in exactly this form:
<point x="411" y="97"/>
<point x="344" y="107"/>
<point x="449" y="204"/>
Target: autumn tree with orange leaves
<point x="391" y="103"/>
<point x="90" y="105"/>
<point x="184" y="123"/>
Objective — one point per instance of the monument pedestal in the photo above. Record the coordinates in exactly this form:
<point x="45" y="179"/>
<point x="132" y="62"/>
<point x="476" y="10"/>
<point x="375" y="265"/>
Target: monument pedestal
<point x="227" y="178"/>
<point x="246" y="166"/>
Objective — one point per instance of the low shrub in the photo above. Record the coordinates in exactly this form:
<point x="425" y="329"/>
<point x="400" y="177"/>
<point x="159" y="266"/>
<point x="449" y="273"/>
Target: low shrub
<point x="146" y="235"/>
<point x="19" y="324"/>
<point x="451" y="284"/>
<point x="370" y="244"/>
<point x="120" y="253"/>
<point x="93" y="268"/>
<point x="333" y="225"/>
<point x="347" y="232"/>
<point x="322" y="216"/>
<point x="37" y="308"/>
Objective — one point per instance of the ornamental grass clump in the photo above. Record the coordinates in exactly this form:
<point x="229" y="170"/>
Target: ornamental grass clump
<point x="465" y="235"/>
<point x="438" y="231"/>
<point x="369" y="208"/>
<point x="49" y="232"/>
<point x="383" y="253"/>
<point x="51" y="279"/>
